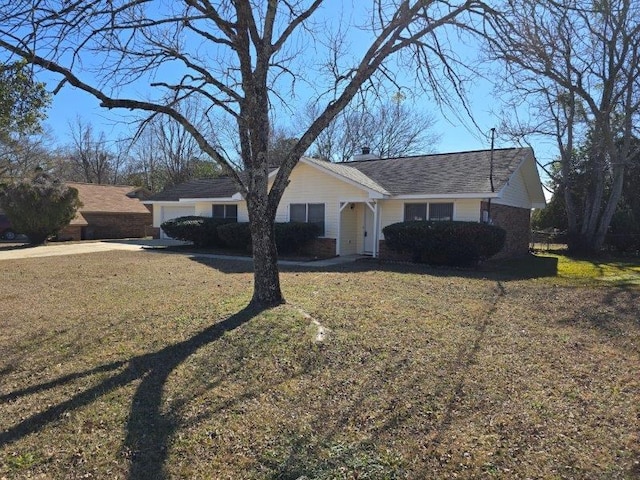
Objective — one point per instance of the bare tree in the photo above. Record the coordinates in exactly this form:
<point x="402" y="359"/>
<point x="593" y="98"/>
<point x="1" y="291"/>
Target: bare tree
<point x="145" y="168"/>
<point x="243" y="59"/>
<point x="90" y="158"/>
<point x="390" y="129"/>
<point x="576" y="63"/>
<point x="21" y="155"/>
<point x="168" y="150"/>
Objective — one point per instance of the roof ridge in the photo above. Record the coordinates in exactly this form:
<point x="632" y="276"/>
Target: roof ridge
<point x="430" y="155"/>
<point x="101" y="184"/>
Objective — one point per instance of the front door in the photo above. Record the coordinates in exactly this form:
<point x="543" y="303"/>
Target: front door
<point x="368" y="230"/>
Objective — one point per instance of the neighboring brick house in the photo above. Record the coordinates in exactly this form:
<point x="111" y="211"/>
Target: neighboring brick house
<point x="109" y="211"/>
<point x="353" y="201"/>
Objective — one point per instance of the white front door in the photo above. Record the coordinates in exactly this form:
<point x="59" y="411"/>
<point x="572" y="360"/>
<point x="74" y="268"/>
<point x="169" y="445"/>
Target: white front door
<point x="368" y="230"/>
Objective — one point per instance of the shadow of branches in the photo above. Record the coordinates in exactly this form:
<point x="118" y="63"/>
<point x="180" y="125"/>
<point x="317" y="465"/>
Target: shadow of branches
<point x="148" y="430"/>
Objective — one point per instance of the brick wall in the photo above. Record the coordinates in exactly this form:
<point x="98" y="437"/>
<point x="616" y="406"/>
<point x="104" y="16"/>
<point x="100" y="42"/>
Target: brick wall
<point x="386" y="253"/>
<point x="71" y="232"/>
<point x="321" y="248"/>
<point x="517" y="222"/>
<point x="153" y="232"/>
<point x="116" y="225"/>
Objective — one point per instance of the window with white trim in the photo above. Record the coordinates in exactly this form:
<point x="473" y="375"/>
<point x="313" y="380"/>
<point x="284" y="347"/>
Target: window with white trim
<point x="441" y="211"/>
<point x="224" y="210"/>
<point x="428" y="211"/>
<point x="308" y="213"/>
<point x="415" y="211"/>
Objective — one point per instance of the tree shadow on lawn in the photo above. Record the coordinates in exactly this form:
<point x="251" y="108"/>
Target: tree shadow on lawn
<point x="148" y="430"/>
<point x="523" y="268"/>
<point x="613" y="313"/>
<point x="304" y="454"/>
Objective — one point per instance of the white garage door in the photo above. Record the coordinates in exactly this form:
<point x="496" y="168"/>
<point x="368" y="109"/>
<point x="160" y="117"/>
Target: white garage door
<point x="174" y="212"/>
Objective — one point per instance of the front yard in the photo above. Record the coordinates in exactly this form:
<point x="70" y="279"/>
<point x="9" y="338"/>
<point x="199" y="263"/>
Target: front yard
<point x="145" y="366"/>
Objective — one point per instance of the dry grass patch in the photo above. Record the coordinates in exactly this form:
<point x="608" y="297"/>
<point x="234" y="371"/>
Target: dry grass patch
<point x="145" y="365"/>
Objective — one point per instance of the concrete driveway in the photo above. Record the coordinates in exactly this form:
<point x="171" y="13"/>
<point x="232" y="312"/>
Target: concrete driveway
<point x="55" y="249"/>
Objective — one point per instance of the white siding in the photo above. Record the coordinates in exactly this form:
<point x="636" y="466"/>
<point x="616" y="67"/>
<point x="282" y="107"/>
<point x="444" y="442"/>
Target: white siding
<point x="390" y="211"/>
<point x="205" y="209"/>
<point x="310" y="185"/>
<point x="243" y="213"/>
<point x="201" y="209"/>
<point x="167" y="212"/>
<point x="515" y="193"/>
<point x="464" y="210"/>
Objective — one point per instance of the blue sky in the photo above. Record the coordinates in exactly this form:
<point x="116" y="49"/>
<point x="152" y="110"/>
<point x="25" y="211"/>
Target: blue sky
<point x="455" y="135"/>
<point x="457" y="132"/>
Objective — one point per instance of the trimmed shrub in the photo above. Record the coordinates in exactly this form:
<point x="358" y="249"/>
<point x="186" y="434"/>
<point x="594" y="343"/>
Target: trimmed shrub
<point x="290" y="236"/>
<point x="445" y="243"/>
<point x="235" y="235"/>
<point x="202" y="231"/>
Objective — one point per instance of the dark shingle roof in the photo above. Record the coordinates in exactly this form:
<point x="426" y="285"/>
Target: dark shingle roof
<point x="220" y="187"/>
<point x="444" y="173"/>
<point x="437" y="174"/>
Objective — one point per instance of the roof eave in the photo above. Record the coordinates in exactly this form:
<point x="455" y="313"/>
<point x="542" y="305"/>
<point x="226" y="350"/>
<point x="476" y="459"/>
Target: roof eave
<point x="475" y="195"/>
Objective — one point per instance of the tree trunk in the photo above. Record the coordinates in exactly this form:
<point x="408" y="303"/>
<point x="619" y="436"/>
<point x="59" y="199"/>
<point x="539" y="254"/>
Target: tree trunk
<point x="266" y="278"/>
<point x="610" y="208"/>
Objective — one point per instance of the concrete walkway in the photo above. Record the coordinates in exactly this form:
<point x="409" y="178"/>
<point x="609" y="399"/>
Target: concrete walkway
<point x="56" y="249"/>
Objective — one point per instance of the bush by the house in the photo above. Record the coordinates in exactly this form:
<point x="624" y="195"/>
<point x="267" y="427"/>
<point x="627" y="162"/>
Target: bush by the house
<point x="202" y="231"/>
<point x="39" y="207"/>
<point x="445" y="243"/>
<point x="235" y="235"/>
<point x="290" y="236"/>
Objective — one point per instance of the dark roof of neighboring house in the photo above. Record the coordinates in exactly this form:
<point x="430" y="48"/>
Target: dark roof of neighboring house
<point x="107" y="198"/>
<point x="443" y="173"/>
<point x="219" y="187"/>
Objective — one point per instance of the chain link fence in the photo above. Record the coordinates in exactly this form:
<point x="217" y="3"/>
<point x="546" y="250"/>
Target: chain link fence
<point x="626" y="243"/>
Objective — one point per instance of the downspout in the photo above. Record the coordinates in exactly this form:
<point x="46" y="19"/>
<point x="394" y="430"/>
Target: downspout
<point x="493" y="135"/>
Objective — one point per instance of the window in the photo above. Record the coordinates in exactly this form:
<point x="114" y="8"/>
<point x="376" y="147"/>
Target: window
<point x="441" y="211"/>
<point x="415" y="211"/>
<point x="225" y="211"/>
<point x="437" y="211"/>
<point x="308" y="213"/>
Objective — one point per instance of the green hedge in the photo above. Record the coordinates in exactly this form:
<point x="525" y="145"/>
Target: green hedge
<point x="235" y="235"/>
<point x="445" y="243"/>
<point x="290" y="236"/>
<point x="202" y="231"/>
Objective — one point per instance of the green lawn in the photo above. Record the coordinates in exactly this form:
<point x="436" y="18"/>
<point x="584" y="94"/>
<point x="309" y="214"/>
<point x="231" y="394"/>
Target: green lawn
<point x="146" y="366"/>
